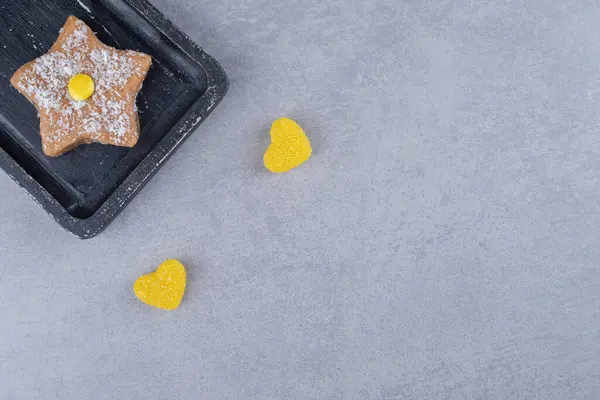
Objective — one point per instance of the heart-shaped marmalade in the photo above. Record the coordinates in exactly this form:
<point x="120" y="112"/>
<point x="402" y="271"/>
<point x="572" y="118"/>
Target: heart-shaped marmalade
<point x="289" y="146"/>
<point x="163" y="288"/>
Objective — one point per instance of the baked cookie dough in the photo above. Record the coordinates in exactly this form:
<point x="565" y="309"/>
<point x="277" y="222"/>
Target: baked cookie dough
<point x="84" y="90"/>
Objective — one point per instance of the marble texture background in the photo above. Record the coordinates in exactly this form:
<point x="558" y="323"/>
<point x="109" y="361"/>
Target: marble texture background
<point x="442" y="243"/>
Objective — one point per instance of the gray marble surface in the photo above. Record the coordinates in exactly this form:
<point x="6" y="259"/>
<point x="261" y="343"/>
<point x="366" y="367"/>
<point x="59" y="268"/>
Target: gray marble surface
<point x="442" y="243"/>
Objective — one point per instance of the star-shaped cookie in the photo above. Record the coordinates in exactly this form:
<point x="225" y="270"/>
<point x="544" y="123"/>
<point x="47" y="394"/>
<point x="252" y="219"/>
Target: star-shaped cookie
<point x="50" y="82"/>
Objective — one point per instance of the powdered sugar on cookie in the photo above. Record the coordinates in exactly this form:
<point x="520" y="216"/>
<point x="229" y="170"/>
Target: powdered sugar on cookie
<point x="109" y="115"/>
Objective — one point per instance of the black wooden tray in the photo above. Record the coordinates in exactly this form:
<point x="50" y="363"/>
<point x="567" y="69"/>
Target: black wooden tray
<point x="86" y="188"/>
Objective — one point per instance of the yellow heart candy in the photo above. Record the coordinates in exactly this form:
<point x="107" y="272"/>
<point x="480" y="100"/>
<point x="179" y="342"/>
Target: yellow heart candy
<point x="163" y="288"/>
<point x="289" y="146"/>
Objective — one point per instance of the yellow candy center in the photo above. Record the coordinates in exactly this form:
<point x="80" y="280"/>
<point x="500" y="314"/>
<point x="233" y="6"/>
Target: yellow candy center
<point x="81" y="87"/>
